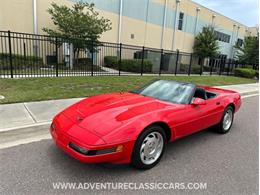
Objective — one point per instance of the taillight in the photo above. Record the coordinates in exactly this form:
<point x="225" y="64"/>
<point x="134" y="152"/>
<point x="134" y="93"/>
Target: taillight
<point x="52" y="127"/>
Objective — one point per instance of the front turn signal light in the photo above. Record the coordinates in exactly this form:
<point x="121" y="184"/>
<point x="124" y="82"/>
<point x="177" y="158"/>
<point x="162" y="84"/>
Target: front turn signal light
<point x="119" y="148"/>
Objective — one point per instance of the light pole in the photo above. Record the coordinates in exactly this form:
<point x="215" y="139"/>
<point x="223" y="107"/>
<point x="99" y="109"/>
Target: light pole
<point x="197" y="19"/>
<point x="232" y="39"/>
<point x="35" y="22"/>
<point x="146" y="20"/>
<point x="236" y="37"/>
<point x="164" y="23"/>
<point x="175" y="23"/>
<point x="238" y="27"/>
<point x="213" y="19"/>
<point x="35" y="27"/>
<point x="120" y="21"/>
<point x="246" y="31"/>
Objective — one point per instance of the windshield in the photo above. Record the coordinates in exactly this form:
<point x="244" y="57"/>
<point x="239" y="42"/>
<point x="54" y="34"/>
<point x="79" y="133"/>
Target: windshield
<point x="175" y="92"/>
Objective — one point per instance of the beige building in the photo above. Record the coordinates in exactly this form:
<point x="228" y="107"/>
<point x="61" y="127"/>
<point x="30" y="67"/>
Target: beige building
<point x="167" y="24"/>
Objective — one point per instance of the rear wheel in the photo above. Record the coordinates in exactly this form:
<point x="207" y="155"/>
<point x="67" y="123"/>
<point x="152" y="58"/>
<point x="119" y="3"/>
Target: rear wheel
<point x="227" y="120"/>
<point x="149" y="147"/>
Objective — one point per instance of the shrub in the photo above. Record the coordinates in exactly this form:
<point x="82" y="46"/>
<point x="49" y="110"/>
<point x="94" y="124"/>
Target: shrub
<point x="83" y="61"/>
<point x="247" y="66"/>
<point x="184" y="68"/>
<point x="195" y="69"/>
<point x="111" y="61"/>
<point x="257" y="74"/>
<point x="134" y="65"/>
<point x="19" y="60"/>
<point x="128" y="65"/>
<point x="148" y="65"/>
<point x="245" y="72"/>
<point x="208" y="69"/>
<point x="17" y="57"/>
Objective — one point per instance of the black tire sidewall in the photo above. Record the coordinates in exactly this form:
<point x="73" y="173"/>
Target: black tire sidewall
<point x="220" y="126"/>
<point x="136" y="159"/>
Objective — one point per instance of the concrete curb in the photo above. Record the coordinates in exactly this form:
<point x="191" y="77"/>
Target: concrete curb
<point x="24" y="126"/>
<point x="249" y="93"/>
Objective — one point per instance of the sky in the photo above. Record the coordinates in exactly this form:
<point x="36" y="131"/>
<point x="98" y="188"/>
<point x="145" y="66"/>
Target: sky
<point x="243" y="11"/>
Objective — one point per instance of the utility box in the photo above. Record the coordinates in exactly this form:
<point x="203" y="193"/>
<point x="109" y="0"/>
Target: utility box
<point x="169" y="60"/>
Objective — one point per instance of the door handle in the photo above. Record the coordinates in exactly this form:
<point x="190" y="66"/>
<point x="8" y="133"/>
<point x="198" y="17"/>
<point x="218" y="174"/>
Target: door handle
<point x="217" y="103"/>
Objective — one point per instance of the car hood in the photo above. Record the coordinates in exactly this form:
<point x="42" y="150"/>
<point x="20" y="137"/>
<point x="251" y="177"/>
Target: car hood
<point x="104" y="113"/>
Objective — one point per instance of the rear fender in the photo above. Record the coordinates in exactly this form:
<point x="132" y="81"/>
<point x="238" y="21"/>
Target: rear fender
<point x="234" y="99"/>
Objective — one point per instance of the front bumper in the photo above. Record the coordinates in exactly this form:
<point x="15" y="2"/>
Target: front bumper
<point x="65" y="142"/>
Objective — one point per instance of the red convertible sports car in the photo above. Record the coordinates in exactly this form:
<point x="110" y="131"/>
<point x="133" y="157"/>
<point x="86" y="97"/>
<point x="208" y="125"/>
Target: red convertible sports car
<point x="134" y="127"/>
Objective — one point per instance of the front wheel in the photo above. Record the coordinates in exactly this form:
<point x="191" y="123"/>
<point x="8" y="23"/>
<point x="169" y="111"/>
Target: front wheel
<point x="227" y="120"/>
<point x="149" y="147"/>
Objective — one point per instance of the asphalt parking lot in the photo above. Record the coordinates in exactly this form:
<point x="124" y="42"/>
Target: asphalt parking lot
<point x="227" y="163"/>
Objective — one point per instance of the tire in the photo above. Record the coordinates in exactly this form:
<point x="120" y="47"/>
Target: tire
<point x="152" y="140"/>
<point x="224" y="127"/>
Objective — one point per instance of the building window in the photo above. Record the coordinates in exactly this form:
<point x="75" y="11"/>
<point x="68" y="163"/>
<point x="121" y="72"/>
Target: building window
<point x="181" y="17"/>
<point x="132" y="36"/>
<point x="222" y="37"/>
<point x="239" y="42"/>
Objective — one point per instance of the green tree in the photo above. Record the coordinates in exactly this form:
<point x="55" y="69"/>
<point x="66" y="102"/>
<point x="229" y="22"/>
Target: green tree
<point x="80" y="25"/>
<point x="206" y="44"/>
<point x="248" y="53"/>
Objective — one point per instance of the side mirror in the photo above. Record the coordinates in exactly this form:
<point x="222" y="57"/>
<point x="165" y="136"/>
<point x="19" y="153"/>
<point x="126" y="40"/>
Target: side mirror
<point x="198" y="101"/>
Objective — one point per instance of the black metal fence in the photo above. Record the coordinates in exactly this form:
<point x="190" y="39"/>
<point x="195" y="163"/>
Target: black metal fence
<point x="29" y="55"/>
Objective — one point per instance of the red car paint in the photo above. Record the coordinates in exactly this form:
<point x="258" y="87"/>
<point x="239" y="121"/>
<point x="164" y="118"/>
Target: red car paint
<point x="109" y="120"/>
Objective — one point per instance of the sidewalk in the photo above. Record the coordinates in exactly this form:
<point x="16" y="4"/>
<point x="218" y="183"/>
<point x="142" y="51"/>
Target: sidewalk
<point x="19" y="115"/>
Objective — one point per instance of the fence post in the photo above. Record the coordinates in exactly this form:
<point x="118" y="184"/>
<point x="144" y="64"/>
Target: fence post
<point x="92" y="58"/>
<point x="211" y="67"/>
<point x="10" y="53"/>
<point x="229" y="63"/>
<point x="236" y="64"/>
<point x="176" y="64"/>
<point x="161" y="62"/>
<point x="120" y="59"/>
<point x="201" y="67"/>
<point x="190" y="64"/>
<point x="220" y="64"/>
<point x="57" y="53"/>
<point x="24" y="54"/>
<point x="142" y="63"/>
<point x="233" y="65"/>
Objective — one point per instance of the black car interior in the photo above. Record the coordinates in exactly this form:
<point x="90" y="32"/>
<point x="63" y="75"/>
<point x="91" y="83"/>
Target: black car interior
<point x="210" y="95"/>
<point x="205" y="95"/>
